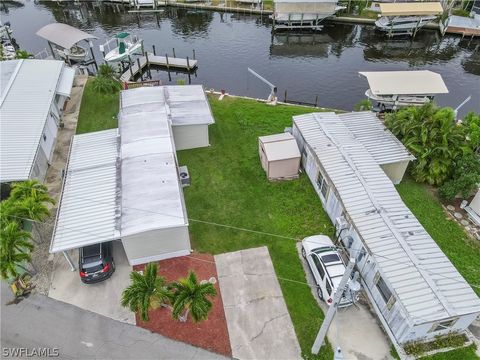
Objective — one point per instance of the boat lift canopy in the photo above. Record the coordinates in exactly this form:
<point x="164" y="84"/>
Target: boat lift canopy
<point x="422" y="82"/>
<point x="63" y="35"/>
<point x="411" y="9"/>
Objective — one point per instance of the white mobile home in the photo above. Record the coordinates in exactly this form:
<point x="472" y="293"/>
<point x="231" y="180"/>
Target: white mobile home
<point x="187" y="107"/>
<point x="123" y="184"/>
<point x="33" y="94"/>
<point x="415" y="290"/>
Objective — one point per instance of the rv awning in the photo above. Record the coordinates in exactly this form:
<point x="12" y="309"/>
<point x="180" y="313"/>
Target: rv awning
<point x="63" y="35"/>
<point x="411" y="9"/>
<point x="66" y="81"/>
<point x="423" y="82"/>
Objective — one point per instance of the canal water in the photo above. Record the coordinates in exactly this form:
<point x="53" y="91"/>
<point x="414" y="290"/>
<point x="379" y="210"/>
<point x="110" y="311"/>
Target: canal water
<point x="324" y="64"/>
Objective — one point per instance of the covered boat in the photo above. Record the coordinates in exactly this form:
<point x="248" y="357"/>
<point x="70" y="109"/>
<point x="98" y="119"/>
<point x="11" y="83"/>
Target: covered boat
<point x="406" y="18"/>
<point x="390" y="90"/>
<point x="121" y="46"/>
<point x="63" y="40"/>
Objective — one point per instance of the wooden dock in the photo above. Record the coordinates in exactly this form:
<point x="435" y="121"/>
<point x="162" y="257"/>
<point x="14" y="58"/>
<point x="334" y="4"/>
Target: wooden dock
<point x="166" y="61"/>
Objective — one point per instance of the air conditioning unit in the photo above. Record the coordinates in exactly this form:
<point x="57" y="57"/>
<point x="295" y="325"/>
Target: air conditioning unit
<point x="184" y="176"/>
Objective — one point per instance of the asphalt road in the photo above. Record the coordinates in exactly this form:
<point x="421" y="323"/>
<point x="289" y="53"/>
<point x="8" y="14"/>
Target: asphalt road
<point x="39" y="321"/>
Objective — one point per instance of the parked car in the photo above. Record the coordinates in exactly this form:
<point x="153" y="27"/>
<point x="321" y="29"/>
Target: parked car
<point x="95" y="262"/>
<point x="327" y="267"/>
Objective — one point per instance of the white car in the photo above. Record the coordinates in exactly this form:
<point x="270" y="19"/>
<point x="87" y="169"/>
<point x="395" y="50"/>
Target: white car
<point x="327" y="267"/>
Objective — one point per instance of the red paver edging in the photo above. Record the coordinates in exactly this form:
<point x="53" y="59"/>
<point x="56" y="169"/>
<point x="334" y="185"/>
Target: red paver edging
<point x="211" y="334"/>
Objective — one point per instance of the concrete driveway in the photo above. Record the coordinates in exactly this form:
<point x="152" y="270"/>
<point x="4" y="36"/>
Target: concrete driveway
<point x="354" y="329"/>
<point x="258" y="321"/>
<point x="102" y="298"/>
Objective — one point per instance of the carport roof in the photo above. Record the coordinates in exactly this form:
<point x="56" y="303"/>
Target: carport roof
<point x="87" y="212"/>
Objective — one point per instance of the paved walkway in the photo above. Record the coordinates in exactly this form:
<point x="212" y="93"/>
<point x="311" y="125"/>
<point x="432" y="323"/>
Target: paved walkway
<point x="258" y="321"/>
<point x="39" y="321"/>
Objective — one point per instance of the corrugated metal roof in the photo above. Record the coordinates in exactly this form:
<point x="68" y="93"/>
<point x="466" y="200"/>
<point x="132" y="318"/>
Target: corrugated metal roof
<point x="411" y="8"/>
<point x="425" y="282"/>
<point x="464" y="22"/>
<point x="367" y="128"/>
<point x="152" y="197"/>
<point x="66" y="81"/>
<point x="280" y="147"/>
<point x="415" y="82"/>
<point x="26" y="100"/>
<point x="88" y="210"/>
<point x="184" y="104"/>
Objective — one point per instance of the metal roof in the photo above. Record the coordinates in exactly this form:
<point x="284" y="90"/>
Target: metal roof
<point x="66" y="81"/>
<point x="88" y="211"/>
<point x="152" y="197"/>
<point x="411" y="8"/>
<point x="425" y="282"/>
<point x="367" y="128"/>
<point x="421" y="82"/>
<point x="185" y="104"/>
<point x="63" y="35"/>
<point x="280" y="146"/>
<point x="28" y="90"/>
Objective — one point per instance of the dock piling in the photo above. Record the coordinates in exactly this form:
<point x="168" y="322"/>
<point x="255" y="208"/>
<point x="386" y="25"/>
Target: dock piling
<point x="285" y="99"/>
<point x="154" y="52"/>
<point x="168" y="64"/>
<point x="316" y="101"/>
<point x="193" y="54"/>
<point x="188" y="64"/>
<point x="174" y="53"/>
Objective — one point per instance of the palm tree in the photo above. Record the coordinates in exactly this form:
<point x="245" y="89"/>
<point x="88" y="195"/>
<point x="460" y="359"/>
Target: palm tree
<point x="146" y="291"/>
<point x="15" y="249"/>
<point x="31" y="189"/>
<point x="191" y="297"/>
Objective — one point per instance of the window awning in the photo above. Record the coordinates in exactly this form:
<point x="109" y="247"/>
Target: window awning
<point x="63" y="35"/>
<point x="423" y="82"/>
<point x="66" y="81"/>
<point x="411" y="9"/>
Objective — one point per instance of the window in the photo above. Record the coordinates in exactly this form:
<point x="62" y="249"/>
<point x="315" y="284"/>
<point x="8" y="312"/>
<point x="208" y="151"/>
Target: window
<point x="383" y="289"/>
<point x="443" y="325"/>
<point x="329" y="287"/>
<point x="319" y="266"/>
<point x="322" y="184"/>
<point x="361" y="254"/>
<point x="349" y="242"/>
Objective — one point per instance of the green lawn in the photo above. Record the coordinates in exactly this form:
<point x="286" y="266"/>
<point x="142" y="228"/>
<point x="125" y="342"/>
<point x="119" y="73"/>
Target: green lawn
<point x="98" y="111"/>
<point x="229" y="186"/>
<point x="463" y="252"/>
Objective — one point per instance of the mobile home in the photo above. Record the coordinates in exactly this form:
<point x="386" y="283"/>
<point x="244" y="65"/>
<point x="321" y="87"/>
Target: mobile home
<point x="32" y="98"/>
<point x="415" y="290"/>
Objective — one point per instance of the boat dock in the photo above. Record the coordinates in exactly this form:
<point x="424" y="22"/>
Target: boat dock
<point x="166" y="61"/>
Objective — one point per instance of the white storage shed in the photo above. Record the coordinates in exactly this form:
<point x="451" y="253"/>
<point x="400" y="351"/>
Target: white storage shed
<point x="279" y="156"/>
<point x="386" y="149"/>
<point x="33" y="94"/>
<point x="413" y="287"/>
<point x="187" y="108"/>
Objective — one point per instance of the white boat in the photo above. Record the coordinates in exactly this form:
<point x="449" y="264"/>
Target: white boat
<point x="402" y="24"/>
<point x="390" y="90"/>
<point x="406" y="18"/>
<point x="75" y="54"/>
<point x="121" y="46"/>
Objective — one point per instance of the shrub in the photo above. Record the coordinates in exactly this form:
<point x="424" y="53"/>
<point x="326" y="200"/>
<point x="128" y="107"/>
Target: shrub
<point x="430" y="133"/>
<point x="106" y="85"/>
<point x="106" y="70"/>
<point x="363" y="105"/>
<point x="465" y="179"/>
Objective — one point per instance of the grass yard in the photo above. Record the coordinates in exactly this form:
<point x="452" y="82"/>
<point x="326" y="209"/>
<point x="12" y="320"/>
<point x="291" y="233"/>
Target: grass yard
<point x="229" y="187"/>
<point x="463" y="252"/>
<point x="98" y="111"/>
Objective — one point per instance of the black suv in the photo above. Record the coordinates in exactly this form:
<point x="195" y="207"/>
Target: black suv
<point x="95" y="262"/>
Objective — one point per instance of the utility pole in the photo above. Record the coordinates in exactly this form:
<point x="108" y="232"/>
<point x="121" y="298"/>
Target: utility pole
<point x="333" y="307"/>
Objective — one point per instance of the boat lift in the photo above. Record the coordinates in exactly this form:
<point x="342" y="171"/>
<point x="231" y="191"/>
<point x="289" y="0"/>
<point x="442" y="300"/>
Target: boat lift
<point x="272" y="98"/>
